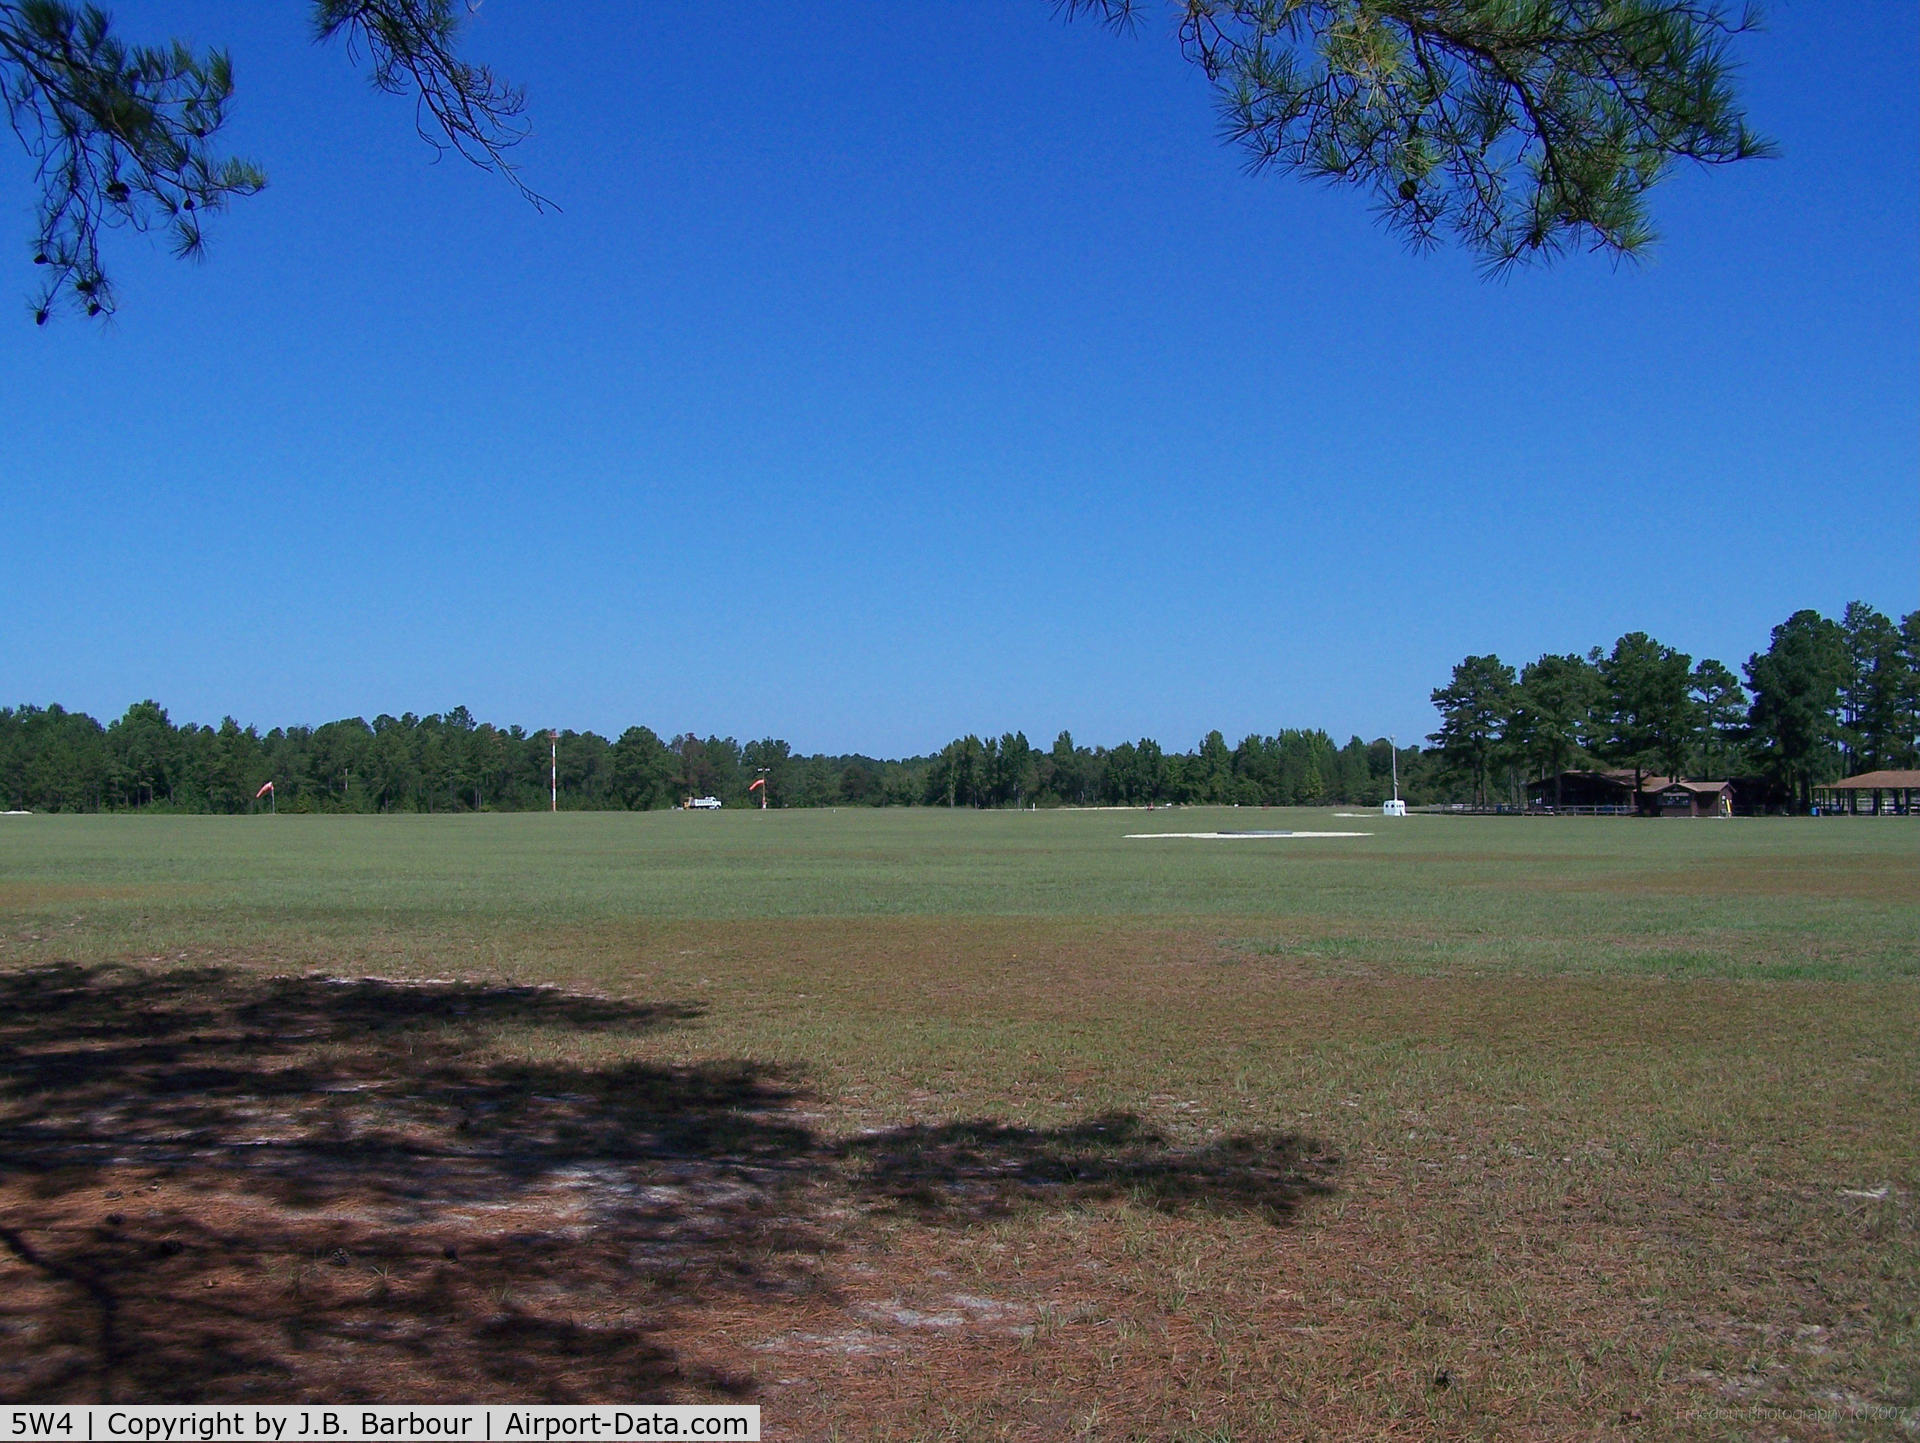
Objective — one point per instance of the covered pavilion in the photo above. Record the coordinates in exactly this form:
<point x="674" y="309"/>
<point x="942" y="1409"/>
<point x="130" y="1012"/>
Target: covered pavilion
<point x="1900" y="786"/>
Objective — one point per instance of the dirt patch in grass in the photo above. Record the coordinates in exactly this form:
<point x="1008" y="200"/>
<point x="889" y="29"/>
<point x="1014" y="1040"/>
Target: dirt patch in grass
<point x="225" y="1186"/>
<point x="970" y="1178"/>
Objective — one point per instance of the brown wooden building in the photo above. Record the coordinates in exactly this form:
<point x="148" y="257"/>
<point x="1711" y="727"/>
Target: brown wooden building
<point x="1614" y="793"/>
<point x="1680" y="798"/>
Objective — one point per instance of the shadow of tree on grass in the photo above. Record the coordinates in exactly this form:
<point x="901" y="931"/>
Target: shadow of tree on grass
<point x="970" y="1170"/>
<point x="215" y="1186"/>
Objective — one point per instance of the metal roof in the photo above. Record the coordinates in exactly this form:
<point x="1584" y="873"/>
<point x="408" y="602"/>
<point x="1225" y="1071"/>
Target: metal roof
<point x="1876" y="781"/>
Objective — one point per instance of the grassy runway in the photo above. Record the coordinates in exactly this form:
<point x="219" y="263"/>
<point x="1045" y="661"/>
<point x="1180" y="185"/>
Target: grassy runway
<point x="916" y="1125"/>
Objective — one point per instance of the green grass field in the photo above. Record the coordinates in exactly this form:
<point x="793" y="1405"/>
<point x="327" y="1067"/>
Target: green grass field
<point x="921" y="1125"/>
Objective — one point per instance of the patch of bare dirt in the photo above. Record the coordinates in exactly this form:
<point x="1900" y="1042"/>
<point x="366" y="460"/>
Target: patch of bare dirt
<point x="217" y="1186"/>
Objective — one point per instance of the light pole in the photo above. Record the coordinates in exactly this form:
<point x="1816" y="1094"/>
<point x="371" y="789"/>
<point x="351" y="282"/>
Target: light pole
<point x="1395" y="807"/>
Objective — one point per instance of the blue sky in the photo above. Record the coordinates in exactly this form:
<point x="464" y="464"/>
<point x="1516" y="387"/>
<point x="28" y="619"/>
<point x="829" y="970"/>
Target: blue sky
<point x="894" y="373"/>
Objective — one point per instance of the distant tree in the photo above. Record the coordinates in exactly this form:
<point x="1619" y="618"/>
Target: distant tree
<point x="860" y="784"/>
<point x="1151" y="770"/>
<point x="904" y="783"/>
<point x="1721" y="707"/>
<point x="235" y="769"/>
<point x="1650" y="714"/>
<point x="695" y="774"/>
<point x="144" y="751"/>
<point x="1381" y="766"/>
<point x="336" y="763"/>
<point x="1136" y="772"/>
<point x="1795" y="719"/>
<point x="643" y="770"/>
<point x="1256" y="771"/>
<point x="772" y="758"/>
<point x="1420" y="771"/>
<point x="1071" y="772"/>
<point x="52" y="760"/>
<point x="1347" y="778"/>
<point x="1306" y="759"/>
<point x="1016" y="770"/>
<point x="710" y="767"/>
<point x="1475" y="708"/>
<point x="1905" y="749"/>
<point x="392" y="773"/>
<point x="438" y="756"/>
<point x="1118" y="784"/>
<point x="456" y="769"/>
<point x="586" y="771"/>
<point x="1211" y="778"/>
<point x="1873" y="695"/>
<point x="958" y="776"/>
<point x="1307" y="783"/>
<point x="1554" y="707"/>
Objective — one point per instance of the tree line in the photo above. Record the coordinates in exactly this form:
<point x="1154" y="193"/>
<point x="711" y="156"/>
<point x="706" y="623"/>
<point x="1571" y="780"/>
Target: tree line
<point x="56" y="760"/>
<point x="1826" y="699"/>
<point x="1292" y="768"/>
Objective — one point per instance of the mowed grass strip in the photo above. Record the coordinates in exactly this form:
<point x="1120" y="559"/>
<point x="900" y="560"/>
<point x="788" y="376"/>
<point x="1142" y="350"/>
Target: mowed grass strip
<point x="982" y="1126"/>
<point x="1832" y="897"/>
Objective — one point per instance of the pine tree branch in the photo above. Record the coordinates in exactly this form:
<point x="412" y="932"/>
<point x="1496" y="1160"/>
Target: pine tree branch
<point x="1523" y="127"/>
<point x="459" y="106"/>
